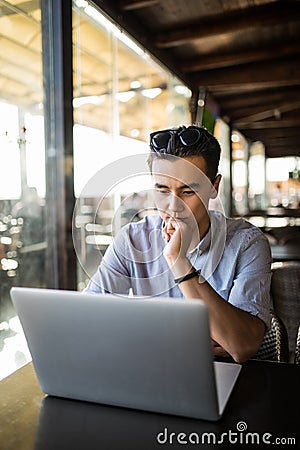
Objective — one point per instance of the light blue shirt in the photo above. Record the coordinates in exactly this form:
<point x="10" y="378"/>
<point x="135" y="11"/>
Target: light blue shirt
<point x="234" y="257"/>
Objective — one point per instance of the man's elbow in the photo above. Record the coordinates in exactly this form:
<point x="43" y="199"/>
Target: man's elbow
<point x="246" y="351"/>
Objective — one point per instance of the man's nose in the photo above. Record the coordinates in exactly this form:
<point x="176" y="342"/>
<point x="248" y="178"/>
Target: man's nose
<point x="176" y="204"/>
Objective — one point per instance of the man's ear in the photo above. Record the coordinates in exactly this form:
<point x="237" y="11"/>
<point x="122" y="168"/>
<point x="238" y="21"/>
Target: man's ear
<point x="215" y="186"/>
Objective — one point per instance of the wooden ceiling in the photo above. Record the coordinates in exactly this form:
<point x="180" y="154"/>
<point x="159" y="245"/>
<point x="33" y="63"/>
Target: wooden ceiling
<point x="245" y="53"/>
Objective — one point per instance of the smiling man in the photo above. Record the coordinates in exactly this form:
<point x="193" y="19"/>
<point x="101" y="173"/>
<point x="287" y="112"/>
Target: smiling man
<point x="187" y="250"/>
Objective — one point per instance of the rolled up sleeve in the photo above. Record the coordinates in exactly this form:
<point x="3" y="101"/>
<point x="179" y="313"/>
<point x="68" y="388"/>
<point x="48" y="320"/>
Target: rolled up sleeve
<point x="251" y="286"/>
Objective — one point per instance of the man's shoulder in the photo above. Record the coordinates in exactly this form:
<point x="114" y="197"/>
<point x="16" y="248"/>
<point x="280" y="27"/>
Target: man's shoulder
<point x="239" y="228"/>
<point x="232" y="224"/>
<point x="247" y="234"/>
<point x="240" y="224"/>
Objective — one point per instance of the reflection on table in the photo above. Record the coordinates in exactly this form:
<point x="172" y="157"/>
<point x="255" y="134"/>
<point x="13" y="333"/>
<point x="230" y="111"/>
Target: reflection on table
<point x="261" y="407"/>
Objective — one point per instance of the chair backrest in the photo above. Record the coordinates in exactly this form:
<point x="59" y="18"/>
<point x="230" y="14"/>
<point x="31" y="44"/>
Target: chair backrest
<point x="274" y="346"/>
<point x="297" y="351"/>
<point x="285" y="292"/>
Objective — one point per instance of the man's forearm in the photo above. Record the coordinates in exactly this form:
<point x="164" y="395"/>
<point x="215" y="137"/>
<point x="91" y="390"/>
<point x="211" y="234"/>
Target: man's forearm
<point x="237" y="331"/>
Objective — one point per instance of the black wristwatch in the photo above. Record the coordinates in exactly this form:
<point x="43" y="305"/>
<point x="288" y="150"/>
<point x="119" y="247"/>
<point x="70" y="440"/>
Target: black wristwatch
<point x="195" y="273"/>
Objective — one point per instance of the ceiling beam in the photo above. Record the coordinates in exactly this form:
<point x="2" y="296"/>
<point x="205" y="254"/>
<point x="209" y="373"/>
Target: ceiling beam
<point x="274" y="152"/>
<point x="273" y="133"/>
<point x="282" y="142"/>
<point x="130" y="5"/>
<point x="273" y="112"/>
<point x="264" y="124"/>
<point x="282" y="145"/>
<point x="261" y="99"/>
<point x="278" y="152"/>
<point x="263" y="75"/>
<point x="240" y="89"/>
<point x="233" y="59"/>
<point x="240" y="114"/>
<point x="258" y="17"/>
<point x="137" y="28"/>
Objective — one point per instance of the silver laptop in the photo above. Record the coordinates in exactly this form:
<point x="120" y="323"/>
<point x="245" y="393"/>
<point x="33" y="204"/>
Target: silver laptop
<point x="152" y="354"/>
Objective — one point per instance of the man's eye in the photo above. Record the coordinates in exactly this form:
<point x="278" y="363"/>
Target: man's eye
<point x="188" y="192"/>
<point x="162" y="191"/>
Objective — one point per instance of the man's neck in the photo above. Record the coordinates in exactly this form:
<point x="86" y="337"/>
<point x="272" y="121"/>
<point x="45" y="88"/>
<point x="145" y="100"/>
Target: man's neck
<point x="201" y="233"/>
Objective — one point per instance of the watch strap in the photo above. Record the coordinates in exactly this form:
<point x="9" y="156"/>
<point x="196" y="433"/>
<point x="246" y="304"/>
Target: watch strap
<point x="193" y="274"/>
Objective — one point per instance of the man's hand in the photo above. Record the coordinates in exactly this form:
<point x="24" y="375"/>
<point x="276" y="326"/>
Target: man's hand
<point x="218" y="350"/>
<point x="178" y="235"/>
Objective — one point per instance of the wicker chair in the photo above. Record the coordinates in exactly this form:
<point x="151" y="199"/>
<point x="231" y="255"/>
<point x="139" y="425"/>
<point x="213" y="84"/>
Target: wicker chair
<point x="285" y="292"/>
<point x="297" y="351"/>
<point x="275" y="343"/>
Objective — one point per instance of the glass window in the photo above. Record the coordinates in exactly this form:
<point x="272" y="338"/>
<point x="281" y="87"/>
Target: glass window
<point x="22" y="166"/>
<point x="121" y="94"/>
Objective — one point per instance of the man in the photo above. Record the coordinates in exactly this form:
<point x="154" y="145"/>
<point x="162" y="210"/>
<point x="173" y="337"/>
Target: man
<point x="188" y="251"/>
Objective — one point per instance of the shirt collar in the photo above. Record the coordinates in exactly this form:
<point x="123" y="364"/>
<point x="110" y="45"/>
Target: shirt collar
<point x="205" y="242"/>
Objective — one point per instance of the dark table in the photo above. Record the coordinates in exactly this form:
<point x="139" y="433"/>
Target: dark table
<point x="286" y="252"/>
<point x="262" y="408"/>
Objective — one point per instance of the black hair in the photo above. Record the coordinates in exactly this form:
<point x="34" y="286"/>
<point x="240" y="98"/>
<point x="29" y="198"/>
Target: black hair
<point x="207" y="146"/>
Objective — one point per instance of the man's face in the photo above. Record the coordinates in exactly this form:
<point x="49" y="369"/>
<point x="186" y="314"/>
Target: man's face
<point x="182" y="190"/>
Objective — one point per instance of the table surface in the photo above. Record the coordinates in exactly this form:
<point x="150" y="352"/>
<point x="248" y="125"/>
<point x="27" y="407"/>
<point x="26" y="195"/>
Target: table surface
<point x="262" y="407"/>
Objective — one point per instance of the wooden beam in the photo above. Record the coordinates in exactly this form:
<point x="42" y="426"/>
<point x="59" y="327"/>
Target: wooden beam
<point x="261" y="137"/>
<point x="251" y="76"/>
<point x="206" y="62"/>
<point x="258" y="17"/>
<point x="283" y="142"/>
<point x="273" y="133"/>
<point x="267" y="138"/>
<point x="273" y="112"/>
<point x="260" y="99"/>
<point x="273" y="152"/>
<point x="221" y="90"/>
<point x="130" y="5"/>
<point x="267" y="124"/>
<point x="274" y="147"/>
<point x="241" y="111"/>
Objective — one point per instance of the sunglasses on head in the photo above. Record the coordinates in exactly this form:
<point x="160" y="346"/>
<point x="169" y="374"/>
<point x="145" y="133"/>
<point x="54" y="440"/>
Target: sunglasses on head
<point x="187" y="137"/>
